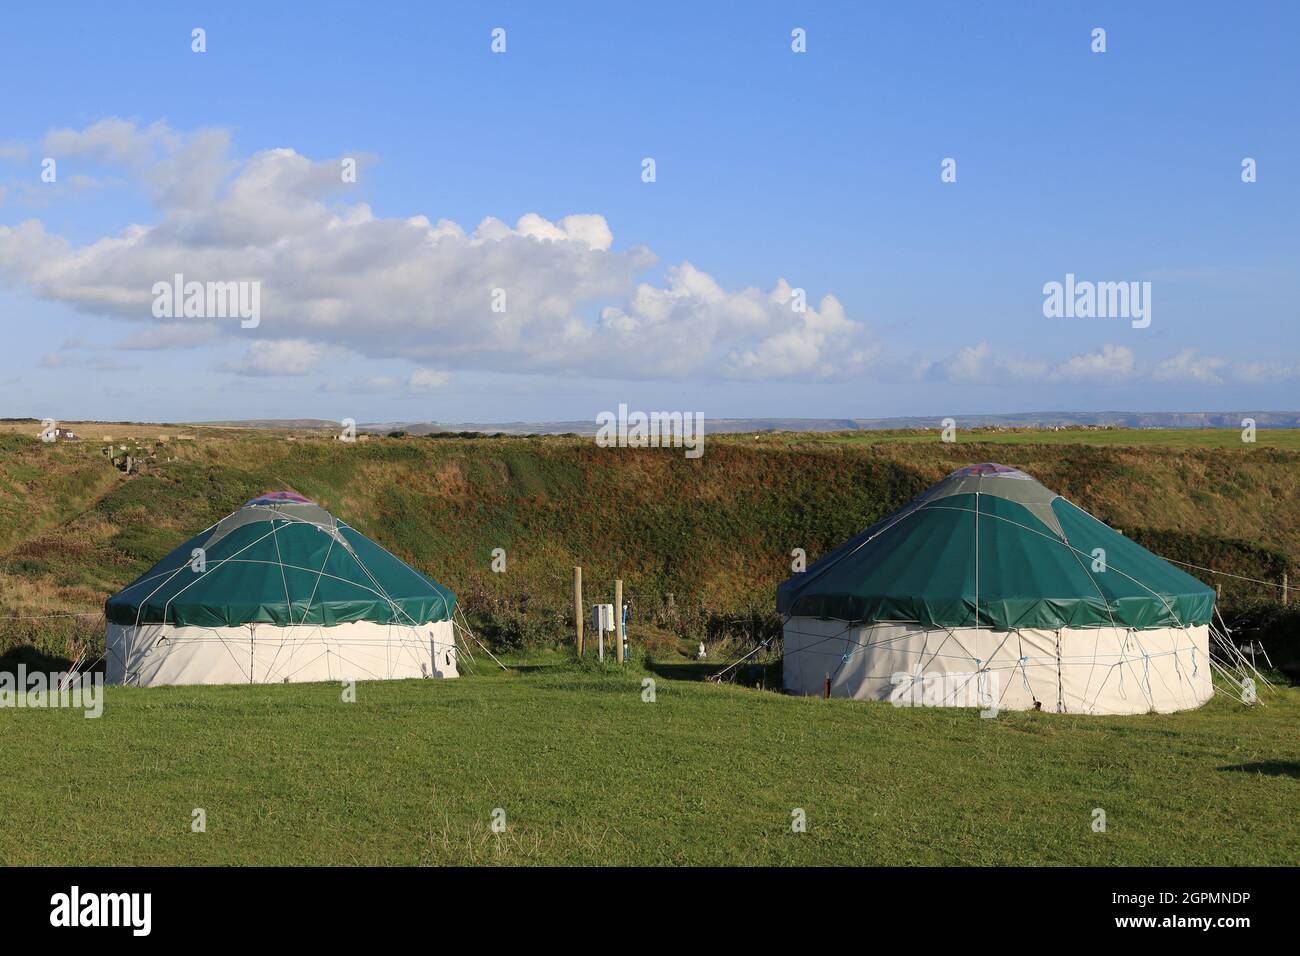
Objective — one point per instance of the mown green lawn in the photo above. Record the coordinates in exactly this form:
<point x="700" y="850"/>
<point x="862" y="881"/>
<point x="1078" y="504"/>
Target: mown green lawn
<point x="587" y="772"/>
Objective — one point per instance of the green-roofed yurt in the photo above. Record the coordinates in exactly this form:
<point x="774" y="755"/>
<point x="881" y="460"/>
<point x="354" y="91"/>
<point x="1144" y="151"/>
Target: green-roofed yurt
<point x="280" y="591"/>
<point x="989" y="590"/>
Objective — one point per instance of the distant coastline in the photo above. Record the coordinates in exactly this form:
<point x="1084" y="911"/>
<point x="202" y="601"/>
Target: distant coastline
<point x="1044" y="420"/>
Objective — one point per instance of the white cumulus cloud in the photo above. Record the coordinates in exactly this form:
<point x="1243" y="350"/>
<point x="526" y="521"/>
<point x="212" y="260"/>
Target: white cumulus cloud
<point x="983" y="365"/>
<point x="427" y="380"/>
<point x="1112" y="363"/>
<point x="1189" y="366"/>
<point x="279" y="357"/>
<point x="334" y="275"/>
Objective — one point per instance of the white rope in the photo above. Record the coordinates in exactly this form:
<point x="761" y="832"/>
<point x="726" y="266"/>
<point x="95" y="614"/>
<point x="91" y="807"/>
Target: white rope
<point x="1226" y="574"/>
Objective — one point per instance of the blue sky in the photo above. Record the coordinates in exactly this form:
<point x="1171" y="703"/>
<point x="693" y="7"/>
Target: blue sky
<point x="820" y="169"/>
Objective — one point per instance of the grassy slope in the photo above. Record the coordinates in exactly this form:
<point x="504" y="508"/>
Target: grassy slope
<point x="1288" y="438"/>
<point x="589" y="773"/>
<point x="716" y="533"/>
<point x="35" y="496"/>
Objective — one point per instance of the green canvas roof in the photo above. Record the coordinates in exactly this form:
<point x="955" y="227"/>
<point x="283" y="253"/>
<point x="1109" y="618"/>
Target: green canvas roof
<point x="990" y="547"/>
<point x="281" y="560"/>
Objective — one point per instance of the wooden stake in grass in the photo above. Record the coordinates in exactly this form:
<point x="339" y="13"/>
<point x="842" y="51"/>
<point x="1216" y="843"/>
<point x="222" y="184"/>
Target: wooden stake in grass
<point x="618" y="615"/>
<point x="577" y="606"/>
<point x="1284" y="594"/>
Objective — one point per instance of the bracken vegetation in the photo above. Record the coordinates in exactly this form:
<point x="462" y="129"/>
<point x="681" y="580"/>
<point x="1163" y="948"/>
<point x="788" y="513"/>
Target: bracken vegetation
<point x="700" y="544"/>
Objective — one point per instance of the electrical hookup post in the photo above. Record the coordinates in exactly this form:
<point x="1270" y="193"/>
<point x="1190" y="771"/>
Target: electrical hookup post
<point x="610" y="629"/>
<point x="608" y="625"/>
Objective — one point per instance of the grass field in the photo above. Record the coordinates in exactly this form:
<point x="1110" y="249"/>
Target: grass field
<point x="589" y="773"/>
<point x="584" y="769"/>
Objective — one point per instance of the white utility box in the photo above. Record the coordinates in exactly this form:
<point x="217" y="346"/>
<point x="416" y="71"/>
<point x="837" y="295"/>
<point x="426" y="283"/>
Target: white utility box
<point x="602" y="617"/>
